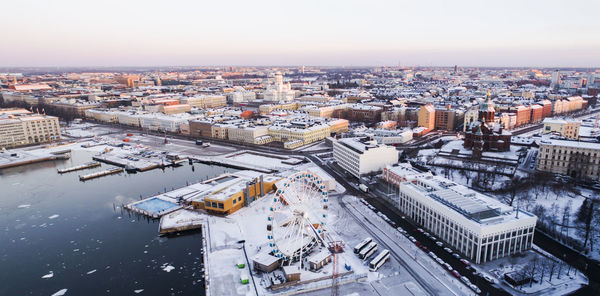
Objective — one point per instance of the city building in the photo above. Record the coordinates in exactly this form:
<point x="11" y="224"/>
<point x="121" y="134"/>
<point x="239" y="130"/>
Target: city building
<point x="565" y="128"/>
<point x="359" y="156"/>
<point x="479" y="227"/>
<point x="572" y="158"/>
<point x="486" y="134"/>
<point x="445" y="118"/>
<point x="19" y="127"/>
<point x="426" y="117"/>
<point x="278" y="91"/>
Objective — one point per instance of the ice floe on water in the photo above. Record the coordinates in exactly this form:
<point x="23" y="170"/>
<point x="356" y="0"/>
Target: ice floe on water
<point x="166" y="267"/>
<point x="49" y="275"/>
<point x="138" y="291"/>
<point x="23" y="206"/>
<point x="61" y="292"/>
<point x="54" y="216"/>
<point x="91" y="271"/>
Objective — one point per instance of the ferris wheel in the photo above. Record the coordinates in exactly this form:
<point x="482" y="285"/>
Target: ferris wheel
<point x="297" y="216"/>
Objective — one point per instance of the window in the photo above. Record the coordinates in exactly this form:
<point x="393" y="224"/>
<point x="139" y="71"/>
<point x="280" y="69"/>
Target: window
<point x="221" y="205"/>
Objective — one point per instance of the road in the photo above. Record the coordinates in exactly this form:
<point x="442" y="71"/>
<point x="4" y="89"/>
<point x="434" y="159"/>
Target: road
<point x="391" y="212"/>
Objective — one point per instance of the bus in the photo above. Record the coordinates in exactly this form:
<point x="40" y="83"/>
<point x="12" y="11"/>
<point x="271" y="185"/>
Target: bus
<point x="368" y="251"/>
<point x="362" y="244"/>
<point x="379" y="260"/>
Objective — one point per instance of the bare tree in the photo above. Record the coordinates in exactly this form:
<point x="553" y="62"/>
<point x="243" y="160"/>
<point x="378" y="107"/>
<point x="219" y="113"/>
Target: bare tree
<point x="553" y="265"/>
<point x="532" y="269"/>
<point x="543" y="268"/>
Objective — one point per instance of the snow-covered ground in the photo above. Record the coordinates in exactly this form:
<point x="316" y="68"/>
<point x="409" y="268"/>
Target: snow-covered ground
<point x="564" y="280"/>
<point x="264" y="161"/>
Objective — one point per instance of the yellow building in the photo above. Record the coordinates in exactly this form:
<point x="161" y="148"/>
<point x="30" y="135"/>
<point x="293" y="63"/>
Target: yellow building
<point x="567" y="129"/>
<point x="230" y="192"/>
<point x="299" y="135"/>
<point x="338" y="126"/>
<point x="268" y="108"/>
<point x="426" y="117"/>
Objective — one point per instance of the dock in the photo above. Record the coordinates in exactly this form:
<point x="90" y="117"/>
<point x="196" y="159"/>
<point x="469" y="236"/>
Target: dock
<point x="181" y="220"/>
<point x="229" y="163"/>
<point x="100" y="174"/>
<point x="139" y="164"/>
<point x="88" y="165"/>
<point x="15" y="160"/>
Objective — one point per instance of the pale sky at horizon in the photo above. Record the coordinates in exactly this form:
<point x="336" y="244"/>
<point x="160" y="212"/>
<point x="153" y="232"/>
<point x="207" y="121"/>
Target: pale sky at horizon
<point x="533" y="33"/>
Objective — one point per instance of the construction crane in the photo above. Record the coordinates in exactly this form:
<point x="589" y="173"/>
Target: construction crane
<point x="335" y="247"/>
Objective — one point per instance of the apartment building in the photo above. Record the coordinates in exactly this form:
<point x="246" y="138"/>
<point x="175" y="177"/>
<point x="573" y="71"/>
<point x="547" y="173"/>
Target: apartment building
<point x="19" y="127"/>
<point x="361" y="156"/>
<point x="212" y="101"/>
<point x="247" y="133"/>
<point x="573" y="158"/>
<point x="426" y="117"/>
<point x="478" y="226"/>
<point x="445" y="119"/>
<point x="566" y="128"/>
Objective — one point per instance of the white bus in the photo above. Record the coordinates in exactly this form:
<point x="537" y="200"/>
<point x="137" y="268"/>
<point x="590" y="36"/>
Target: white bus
<point x="362" y="244"/>
<point x="379" y="260"/>
<point x="368" y="251"/>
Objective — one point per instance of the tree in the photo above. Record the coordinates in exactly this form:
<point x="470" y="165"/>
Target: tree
<point x="566" y="217"/>
<point x="588" y="222"/>
<point x="533" y="265"/>
<point x="553" y="265"/>
<point x="513" y="186"/>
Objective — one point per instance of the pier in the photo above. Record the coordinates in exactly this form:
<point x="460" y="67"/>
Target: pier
<point x="100" y="174"/>
<point x="139" y="164"/>
<point x="88" y="165"/>
<point x="22" y="158"/>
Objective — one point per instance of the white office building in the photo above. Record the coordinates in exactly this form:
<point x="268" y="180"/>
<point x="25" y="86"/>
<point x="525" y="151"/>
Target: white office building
<point x="478" y="226"/>
<point x="361" y="156"/>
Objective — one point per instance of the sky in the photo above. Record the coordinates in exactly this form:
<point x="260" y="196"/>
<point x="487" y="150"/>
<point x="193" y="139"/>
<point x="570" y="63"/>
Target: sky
<point x="534" y="33"/>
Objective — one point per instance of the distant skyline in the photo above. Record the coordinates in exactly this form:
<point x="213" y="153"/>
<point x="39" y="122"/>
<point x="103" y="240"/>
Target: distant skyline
<point x="70" y="33"/>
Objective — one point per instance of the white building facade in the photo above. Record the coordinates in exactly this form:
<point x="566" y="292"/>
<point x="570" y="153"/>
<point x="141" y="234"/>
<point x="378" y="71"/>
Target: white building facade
<point x="360" y="156"/>
<point x="478" y="226"/>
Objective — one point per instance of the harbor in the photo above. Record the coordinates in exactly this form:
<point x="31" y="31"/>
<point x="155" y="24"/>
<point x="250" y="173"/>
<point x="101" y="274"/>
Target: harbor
<point x="80" y="232"/>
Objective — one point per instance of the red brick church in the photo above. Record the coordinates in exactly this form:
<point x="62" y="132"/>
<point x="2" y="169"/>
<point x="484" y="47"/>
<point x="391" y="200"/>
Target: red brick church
<point x="485" y="134"/>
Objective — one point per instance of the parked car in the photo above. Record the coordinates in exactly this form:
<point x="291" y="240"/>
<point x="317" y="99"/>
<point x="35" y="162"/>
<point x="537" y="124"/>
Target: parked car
<point x="432" y="255"/>
<point x="412" y="239"/>
<point x="488" y="278"/>
<point x="425" y="249"/>
<point x="440" y="261"/>
<point x="475" y="288"/>
<point x="456" y="274"/>
<point x="448" y="267"/>
<point x="465" y="280"/>
<point x="420" y="230"/>
<point x="440" y="244"/>
<point x="448" y="250"/>
<point x="455" y="255"/>
<point x="465" y="262"/>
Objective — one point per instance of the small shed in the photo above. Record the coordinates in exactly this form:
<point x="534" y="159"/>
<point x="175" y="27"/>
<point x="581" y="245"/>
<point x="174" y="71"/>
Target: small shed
<point x="265" y="262"/>
<point x="319" y="260"/>
<point x="292" y="273"/>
